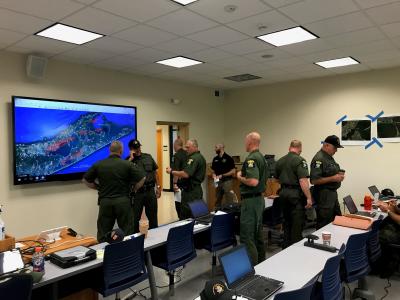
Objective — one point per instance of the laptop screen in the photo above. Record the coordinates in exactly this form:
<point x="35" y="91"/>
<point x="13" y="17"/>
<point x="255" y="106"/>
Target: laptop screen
<point x="236" y="264"/>
<point x="351" y="206"/>
<point x="198" y="208"/>
<point x="10" y="261"/>
<point x="373" y="189"/>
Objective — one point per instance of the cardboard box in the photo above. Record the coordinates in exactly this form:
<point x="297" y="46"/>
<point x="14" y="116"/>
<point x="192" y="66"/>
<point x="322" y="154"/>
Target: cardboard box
<point x="8" y="243"/>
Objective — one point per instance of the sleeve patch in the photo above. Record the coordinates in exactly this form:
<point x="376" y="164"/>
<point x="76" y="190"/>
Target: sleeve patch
<point x="318" y="164"/>
<point x="250" y="163"/>
<point x="189" y="161"/>
<point x="304" y="163"/>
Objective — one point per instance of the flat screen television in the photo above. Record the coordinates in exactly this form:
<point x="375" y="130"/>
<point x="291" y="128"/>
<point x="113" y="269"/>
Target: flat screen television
<point x="60" y="140"/>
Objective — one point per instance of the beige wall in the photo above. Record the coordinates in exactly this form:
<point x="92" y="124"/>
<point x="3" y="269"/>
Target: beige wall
<point x="32" y="208"/>
<point x="307" y="110"/>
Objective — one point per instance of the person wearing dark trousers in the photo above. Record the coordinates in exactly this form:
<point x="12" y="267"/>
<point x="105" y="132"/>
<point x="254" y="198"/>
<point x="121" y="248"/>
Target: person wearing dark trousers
<point x="326" y="176"/>
<point x="178" y="164"/>
<point x="148" y="194"/>
<point x="113" y="178"/>
<point x="295" y="196"/>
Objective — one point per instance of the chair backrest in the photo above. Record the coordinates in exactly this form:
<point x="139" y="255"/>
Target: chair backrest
<point x="16" y="286"/>
<point x="303" y="293"/>
<point x="180" y="245"/>
<point x="356" y="257"/>
<point x="331" y="282"/>
<point x="123" y="261"/>
<point x="374" y="247"/>
<point x="222" y="231"/>
<point x="274" y="215"/>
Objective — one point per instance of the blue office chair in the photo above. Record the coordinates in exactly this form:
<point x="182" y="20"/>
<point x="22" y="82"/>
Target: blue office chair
<point x="303" y="293"/>
<point x="177" y="252"/>
<point x="330" y="287"/>
<point x="123" y="266"/>
<point x="272" y="217"/>
<point x="220" y="236"/>
<point x="374" y="247"/>
<point x="356" y="265"/>
<point x="16" y="286"/>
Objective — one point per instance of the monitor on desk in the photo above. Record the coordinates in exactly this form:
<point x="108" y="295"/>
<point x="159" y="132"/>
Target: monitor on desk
<point x="10" y="261"/>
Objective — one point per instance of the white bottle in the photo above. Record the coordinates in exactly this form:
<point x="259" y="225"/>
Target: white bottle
<point x="2" y="227"/>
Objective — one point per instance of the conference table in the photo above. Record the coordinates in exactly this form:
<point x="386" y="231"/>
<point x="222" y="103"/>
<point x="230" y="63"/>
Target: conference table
<point x="56" y="278"/>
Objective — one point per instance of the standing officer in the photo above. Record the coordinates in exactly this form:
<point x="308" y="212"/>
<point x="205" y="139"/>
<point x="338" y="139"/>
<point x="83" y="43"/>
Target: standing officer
<point x="253" y="178"/>
<point x="147" y="195"/>
<point x="295" y="196"/>
<point x="113" y="178"/>
<point x="326" y="176"/>
<point x="193" y="175"/>
<point x="178" y="164"/>
<point x="223" y="168"/>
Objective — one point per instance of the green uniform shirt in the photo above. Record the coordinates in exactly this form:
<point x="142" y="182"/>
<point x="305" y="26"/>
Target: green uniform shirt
<point x="324" y="165"/>
<point x="255" y="166"/>
<point x="146" y="163"/>
<point x="196" y="168"/>
<point x="291" y="168"/>
<point x="115" y="176"/>
<point x="179" y="160"/>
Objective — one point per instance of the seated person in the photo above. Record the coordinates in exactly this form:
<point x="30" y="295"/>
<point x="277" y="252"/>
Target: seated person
<point x="389" y="233"/>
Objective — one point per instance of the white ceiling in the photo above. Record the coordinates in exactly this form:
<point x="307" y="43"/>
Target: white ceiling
<point x="140" y="32"/>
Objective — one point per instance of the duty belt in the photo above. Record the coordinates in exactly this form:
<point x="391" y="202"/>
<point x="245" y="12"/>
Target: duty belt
<point x="250" y="195"/>
<point x="291" y="186"/>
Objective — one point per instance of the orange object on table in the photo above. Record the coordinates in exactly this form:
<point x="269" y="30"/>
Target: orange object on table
<point x="368" y="202"/>
<point x="353" y="221"/>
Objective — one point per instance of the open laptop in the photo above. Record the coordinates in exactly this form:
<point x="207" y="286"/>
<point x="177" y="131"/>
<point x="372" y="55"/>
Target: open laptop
<point x="373" y="189"/>
<point x="10" y="261"/>
<point x="352" y="207"/>
<point x="200" y="212"/>
<point x="240" y="275"/>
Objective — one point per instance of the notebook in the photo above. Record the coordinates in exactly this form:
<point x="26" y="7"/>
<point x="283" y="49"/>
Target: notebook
<point x="240" y="275"/>
<point x="351" y="206"/>
<point x="200" y="212"/>
<point x="10" y="261"/>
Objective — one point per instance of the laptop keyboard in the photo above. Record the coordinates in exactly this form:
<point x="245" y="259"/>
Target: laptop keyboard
<point x="259" y="288"/>
<point x="366" y="214"/>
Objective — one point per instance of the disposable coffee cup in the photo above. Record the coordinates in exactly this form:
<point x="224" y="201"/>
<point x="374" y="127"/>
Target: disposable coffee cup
<point x="144" y="227"/>
<point x="326" y="238"/>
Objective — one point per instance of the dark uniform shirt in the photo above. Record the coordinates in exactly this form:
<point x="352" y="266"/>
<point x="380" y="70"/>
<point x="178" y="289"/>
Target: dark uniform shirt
<point x="324" y="165"/>
<point x="146" y="163"/>
<point x="255" y="166"/>
<point x="223" y="164"/>
<point x="179" y="160"/>
<point x="115" y="176"/>
<point x="196" y="168"/>
<point x="291" y="168"/>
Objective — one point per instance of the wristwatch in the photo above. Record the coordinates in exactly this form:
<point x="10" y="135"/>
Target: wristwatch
<point x="158" y="186"/>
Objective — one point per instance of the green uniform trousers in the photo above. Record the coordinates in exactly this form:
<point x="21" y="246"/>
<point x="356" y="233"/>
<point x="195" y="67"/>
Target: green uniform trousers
<point x="148" y="200"/>
<point x="111" y="209"/>
<point x="190" y="195"/>
<point x="294" y="214"/>
<point x="327" y="206"/>
<point x="251" y="233"/>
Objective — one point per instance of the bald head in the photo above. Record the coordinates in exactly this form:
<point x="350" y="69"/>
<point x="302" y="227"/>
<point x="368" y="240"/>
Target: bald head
<point x="116" y="147"/>
<point x="296" y="147"/>
<point x="252" y="141"/>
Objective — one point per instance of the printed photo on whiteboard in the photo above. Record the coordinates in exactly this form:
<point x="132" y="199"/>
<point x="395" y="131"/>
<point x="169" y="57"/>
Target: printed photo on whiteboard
<point x="356" y="132"/>
<point x="389" y="128"/>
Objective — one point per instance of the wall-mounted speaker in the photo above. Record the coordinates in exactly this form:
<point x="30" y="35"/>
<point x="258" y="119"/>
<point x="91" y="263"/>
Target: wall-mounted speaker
<point x="36" y="66"/>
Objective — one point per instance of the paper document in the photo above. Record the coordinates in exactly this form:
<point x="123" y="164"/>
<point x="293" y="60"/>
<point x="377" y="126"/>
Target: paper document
<point x="178" y="196"/>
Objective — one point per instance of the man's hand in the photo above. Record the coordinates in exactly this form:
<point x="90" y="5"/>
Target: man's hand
<point x="239" y="175"/>
<point x="383" y="206"/>
<point x="338" y="177"/>
<point x="131" y="155"/>
<point x="168" y="170"/>
<point x="175" y="187"/>
<point x="158" y="192"/>
<point x="309" y="203"/>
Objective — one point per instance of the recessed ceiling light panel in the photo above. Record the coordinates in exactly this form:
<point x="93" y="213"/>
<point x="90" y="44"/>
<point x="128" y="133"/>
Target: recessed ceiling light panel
<point x="179" y="62"/>
<point x="338" y="62"/>
<point x="68" y="34"/>
<point x="288" y="36"/>
<point x="184" y="2"/>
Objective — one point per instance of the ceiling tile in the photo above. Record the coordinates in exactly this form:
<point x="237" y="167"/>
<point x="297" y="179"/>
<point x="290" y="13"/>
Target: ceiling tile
<point x="276" y="52"/>
<point x="182" y="22"/>
<point x="285" y="63"/>
<point x="98" y="21"/>
<point x="21" y="50"/>
<point x="246" y="46"/>
<point x="355" y="37"/>
<point x="215" y="9"/>
<point x="113" y="45"/>
<point x="233" y="62"/>
<point x="84" y="55"/>
<point x="324" y="55"/>
<point x="217" y="36"/>
<point x="273" y="20"/>
<point x="48" y="9"/>
<point x="315" y="73"/>
<point x="44" y="45"/>
<point x="150" y="54"/>
<point x="316" y="45"/>
<point x="21" y="23"/>
<point x="391" y="30"/>
<point x="138" y="10"/>
<point x="370" y="47"/>
<point x="301" y="68"/>
<point x="119" y="62"/>
<point x="280" y="3"/>
<point x="211" y="69"/>
<point x="8" y="37"/>
<point x="381" y="64"/>
<point x="382" y="55"/>
<point x="181" y="46"/>
<point x="350" y="69"/>
<point x="385" y="14"/>
<point x="341" y="24"/>
<point x="151" y="69"/>
<point x="145" y="35"/>
<point x="211" y="54"/>
<point x="371" y="3"/>
<point x="314" y="10"/>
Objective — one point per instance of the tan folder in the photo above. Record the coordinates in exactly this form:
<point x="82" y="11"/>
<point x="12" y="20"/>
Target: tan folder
<point x="353" y="221"/>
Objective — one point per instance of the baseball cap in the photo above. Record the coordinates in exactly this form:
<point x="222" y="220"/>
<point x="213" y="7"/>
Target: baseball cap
<point x="216" y="290"/>
<point x="134" y="144"/>
<point x="333" y="140"/>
